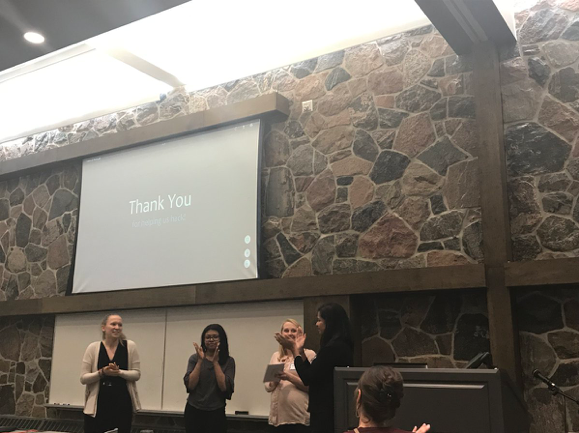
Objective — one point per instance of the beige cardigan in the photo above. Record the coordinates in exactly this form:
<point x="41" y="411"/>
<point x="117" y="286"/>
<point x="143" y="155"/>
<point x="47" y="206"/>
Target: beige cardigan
<point x="89" y="376"/>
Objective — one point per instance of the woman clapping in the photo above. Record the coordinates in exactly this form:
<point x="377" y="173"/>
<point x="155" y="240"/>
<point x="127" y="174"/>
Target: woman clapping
<point x="110" y="368"/>
<point x="209" y="380"/>
<point x="289" y="396"/>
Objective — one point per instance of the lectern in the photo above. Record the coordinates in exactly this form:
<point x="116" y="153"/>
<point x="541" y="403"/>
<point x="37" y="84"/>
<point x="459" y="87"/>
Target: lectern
<point x="450" y="400"/>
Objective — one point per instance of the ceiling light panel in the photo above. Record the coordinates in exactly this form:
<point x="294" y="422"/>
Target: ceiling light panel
<point x="209" y="43"/>
<point x="82" y="87"/>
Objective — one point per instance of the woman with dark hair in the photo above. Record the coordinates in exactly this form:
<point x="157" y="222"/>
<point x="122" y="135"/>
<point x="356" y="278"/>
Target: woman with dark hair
<point x="110" y="370"/>
<point x="378" y="395"/>
<point x="209" y="381"/>
<point x="336" y="349"/>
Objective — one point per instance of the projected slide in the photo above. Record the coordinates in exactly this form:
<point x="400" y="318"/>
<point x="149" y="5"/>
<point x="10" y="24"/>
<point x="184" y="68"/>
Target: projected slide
<point x="181" y="211"/>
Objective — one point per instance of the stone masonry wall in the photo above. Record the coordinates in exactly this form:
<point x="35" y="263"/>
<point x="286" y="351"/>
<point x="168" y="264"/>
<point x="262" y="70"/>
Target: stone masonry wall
<point x="540" y="87"/>
<point x="38" y="221"/>
<point x="549" y="340"/>
<point x="443" y="330"/>
<point x="541" y="114"/>
<point x="25" y="359"/>
<point x="381" y="174"/>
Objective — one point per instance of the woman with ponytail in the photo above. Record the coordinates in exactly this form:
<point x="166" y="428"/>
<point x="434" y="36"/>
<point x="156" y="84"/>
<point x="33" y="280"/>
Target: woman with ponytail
<point x="378" y="395"/>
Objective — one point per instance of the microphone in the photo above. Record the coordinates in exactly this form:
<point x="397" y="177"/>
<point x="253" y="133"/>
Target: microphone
<point x="478" y="360"/>
<point x="544" y="379"/>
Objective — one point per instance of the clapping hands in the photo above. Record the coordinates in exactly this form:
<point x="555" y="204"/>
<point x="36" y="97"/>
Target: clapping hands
<point x="295" y="346"/>
<point x="200" y="352"/>
<point x="111" y="370"/>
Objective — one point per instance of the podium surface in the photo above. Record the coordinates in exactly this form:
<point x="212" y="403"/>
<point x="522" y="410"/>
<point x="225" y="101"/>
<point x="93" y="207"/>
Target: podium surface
<point x="450" y="400"/>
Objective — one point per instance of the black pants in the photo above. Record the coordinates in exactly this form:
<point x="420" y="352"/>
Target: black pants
<point x="322" y="422"/>
<point x="289" y="428"/>
<point x="205" y="421"/>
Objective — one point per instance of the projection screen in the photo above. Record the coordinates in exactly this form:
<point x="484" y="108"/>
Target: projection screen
<point x="179" y="211"/>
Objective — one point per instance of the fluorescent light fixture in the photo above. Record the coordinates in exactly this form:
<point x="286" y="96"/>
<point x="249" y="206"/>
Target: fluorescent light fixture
<point x="255" y="36"/>
<point x="133" y="64"/>
<point x="33" y="37"/>
<point x="88" y="85"/>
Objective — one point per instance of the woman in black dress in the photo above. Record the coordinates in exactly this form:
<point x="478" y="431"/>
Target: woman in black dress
<point x="110" y="369"/>
<point x="336" y="349"/>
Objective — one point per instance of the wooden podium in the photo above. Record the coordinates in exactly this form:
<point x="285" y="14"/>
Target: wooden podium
<point x="450" y="400"/>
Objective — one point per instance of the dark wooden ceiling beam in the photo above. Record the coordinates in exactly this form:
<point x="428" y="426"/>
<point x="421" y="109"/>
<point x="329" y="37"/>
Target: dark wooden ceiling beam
<point x="465" y="23"/>
<point x="390" y="281"/>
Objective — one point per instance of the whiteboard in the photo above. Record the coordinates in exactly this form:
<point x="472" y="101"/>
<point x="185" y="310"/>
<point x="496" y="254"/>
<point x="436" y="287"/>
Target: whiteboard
<point x="74" y="332"/>
<point x="250" y="329"/>
<point x="164" y="338"/>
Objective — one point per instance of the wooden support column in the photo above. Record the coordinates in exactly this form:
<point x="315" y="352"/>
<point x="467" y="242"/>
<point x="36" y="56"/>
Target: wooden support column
<point x="494" y="206"/>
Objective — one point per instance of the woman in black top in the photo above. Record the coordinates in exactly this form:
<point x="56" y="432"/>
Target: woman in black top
<point x="209" y="382"/>
<point x="336" y="349"/>
<point x="110" y="369"/>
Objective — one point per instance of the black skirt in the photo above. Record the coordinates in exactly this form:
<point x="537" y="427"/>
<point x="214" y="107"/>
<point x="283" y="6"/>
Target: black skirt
<point x="114" y="406"/>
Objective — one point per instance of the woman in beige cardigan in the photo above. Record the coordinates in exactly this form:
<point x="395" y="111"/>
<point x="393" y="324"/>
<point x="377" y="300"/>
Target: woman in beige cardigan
<point x="110" y="369"/>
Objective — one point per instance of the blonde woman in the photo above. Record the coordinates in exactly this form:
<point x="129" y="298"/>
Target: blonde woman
<point x="110" y="368"/>
<point x="289" y="396"/>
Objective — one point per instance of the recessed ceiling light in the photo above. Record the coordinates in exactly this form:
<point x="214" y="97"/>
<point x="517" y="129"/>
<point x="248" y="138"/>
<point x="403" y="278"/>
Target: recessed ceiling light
<point x="34" y="38"/>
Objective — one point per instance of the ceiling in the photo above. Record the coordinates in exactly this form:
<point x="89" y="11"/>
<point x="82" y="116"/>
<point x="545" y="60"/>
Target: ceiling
<point x="91" y="70"/>
<point x="64" y="23"/>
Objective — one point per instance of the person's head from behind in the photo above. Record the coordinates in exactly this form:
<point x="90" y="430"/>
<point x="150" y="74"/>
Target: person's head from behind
<point x="112" y="327"/>
<point x="213" y="337"/>
<point x="378" y="395"/>
<point x="333" y="323"/>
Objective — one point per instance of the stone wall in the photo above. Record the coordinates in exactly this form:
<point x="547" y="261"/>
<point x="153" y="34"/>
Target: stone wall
<point x="444" y="330"/>
<point x="541" y="114"/>
<point x="38" y="221"/>
<point x="381" y="174"/>
<point x="25" y="359"/>
<point x="540" y="87"/>
<point x="549" y="339"/>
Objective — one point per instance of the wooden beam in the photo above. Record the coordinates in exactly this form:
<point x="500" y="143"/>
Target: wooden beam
<point x="391" y="281"/>
<point x="494" y="208"/>
<point x="141" y="65"/>
<point x="465" y="23"/>
<point x="542" y="272"/>
<point x="268" y="106"/>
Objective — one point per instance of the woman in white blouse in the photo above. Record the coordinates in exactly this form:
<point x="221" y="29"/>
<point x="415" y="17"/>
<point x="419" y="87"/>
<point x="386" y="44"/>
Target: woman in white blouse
<point x="289" y="396"/>
<point x="110" y="368"/>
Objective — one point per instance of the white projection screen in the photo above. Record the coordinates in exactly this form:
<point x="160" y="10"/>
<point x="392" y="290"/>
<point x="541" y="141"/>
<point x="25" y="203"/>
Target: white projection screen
<point x="179" y="211"/>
